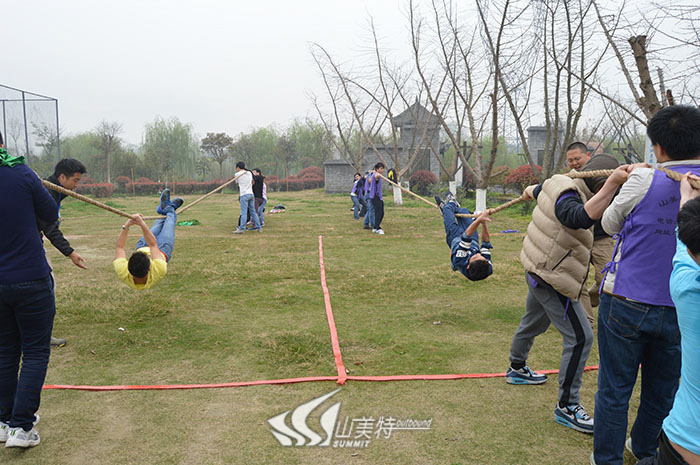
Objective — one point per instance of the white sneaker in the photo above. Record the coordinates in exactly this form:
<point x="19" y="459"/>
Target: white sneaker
<point x="374" y="230"/>
<point x="5" y="428"/>
<point x="4" y="431"/>
<point x="380" y="231"/>
<point x="20" y="438"/>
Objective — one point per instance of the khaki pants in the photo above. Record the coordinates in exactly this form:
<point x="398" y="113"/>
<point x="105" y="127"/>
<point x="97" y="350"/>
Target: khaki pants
<point x="601" y="255"/>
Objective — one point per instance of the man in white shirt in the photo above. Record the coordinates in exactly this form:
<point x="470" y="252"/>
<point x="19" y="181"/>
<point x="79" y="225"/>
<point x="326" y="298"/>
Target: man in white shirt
<point x="245" y="185"/>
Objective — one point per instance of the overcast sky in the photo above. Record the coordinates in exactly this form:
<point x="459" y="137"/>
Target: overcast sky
<point x="223" y="66"/>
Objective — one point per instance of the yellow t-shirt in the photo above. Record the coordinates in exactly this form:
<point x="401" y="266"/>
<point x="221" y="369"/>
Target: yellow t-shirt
<point x="155" y="273"/>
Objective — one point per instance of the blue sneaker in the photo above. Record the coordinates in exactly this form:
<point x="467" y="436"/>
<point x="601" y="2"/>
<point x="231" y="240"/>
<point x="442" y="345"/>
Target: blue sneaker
<point x="524" y="376"/>
<point x="574" y="416"/>
<point x="164" y="201"/>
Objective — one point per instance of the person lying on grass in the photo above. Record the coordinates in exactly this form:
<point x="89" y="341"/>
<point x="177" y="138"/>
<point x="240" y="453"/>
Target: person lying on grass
<point x="472" y="260"/>
<point x="149" y="263"/>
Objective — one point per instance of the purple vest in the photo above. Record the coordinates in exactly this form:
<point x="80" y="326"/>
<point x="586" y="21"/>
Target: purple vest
<point x="647" y="242"/>
<point x="375" y="188"/>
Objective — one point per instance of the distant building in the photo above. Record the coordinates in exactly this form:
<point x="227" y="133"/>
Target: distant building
<point x="418" y="128"/>
<point x="536" y="141"/>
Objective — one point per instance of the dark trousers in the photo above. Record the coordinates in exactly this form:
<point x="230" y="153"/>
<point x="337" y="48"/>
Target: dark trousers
<point x="378" y="212"/>
<point x="666" y="455"/>
<point x="26" y="320"/>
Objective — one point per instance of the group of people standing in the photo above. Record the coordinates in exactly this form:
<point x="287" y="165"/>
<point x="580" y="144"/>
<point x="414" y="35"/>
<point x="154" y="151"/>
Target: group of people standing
<point x="649" y="295"/>
<point x="367" y="198"/>
<point x="253" y="198"/>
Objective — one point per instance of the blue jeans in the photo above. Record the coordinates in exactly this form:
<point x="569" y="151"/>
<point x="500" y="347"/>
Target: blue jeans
<point x="355" y="206"/>
<point x="261" y="213"/>
<point x="248" y="207"/>
<point x="630" y="334"/>
<point x="454" y="226"/>
<point x="164" y="230"/>
<point x="26" y="320"/>
<point x="369" y="216"/>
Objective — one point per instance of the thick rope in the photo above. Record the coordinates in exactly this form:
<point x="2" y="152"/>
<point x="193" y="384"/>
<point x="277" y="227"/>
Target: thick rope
<point x="69" y="193"/>
<point x="433" y="204"/>
<point x="676" y="176"/>
<point x="192" y="204"/>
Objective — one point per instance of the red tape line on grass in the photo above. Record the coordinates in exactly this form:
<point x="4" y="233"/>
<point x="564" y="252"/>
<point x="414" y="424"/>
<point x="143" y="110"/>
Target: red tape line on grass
<point x="310" y="379"/>
<point x="342" y="376"/>
<point x="165" y="387"/>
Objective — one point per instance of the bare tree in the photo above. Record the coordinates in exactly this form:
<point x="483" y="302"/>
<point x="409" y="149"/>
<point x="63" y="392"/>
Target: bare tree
<point x="455" y="88"/>
<point x="107" y="141"/>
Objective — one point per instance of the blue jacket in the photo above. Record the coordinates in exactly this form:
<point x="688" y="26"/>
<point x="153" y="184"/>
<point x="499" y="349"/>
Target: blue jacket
<point x="22" y="196"/>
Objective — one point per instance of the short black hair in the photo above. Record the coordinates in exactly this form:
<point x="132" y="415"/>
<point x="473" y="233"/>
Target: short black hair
<point x="139" y="264"/>
<point x="258" y="171"/>
<point x="240" y="165"/>
<point x="480" y="269"/>
<point x="689" y="225"/>
<point x="580" y="146"/>
<point x="379" y="165"/>
<point x="69" y="166"/>
<point x="356" y="174"/>
<point x="676" y="129"/>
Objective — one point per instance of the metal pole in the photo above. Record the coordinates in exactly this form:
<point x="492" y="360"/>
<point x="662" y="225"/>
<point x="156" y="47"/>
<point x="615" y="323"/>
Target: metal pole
<point x="58" y="132"/>
<point x="26" y="131"/>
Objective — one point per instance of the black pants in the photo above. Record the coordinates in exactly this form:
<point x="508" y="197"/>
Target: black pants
<point x="378" y="212"/>
<point x="666" y="455"/>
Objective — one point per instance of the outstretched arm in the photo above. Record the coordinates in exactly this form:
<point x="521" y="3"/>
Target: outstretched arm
<point x="601" y="200"/>
<point x="485" y="236"/>
<point x="149" y="238"/>
<point x="121" y="240"/>
<point x="483" y="218"/>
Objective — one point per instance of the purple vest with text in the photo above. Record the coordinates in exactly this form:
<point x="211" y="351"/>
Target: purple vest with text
<point x="648" y="242"/>
<point x="375" y="189"/>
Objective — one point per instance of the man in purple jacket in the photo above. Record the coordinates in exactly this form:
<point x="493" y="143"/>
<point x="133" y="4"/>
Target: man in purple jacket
<point x="26" y="300"/>
<point x="637" y="321"/>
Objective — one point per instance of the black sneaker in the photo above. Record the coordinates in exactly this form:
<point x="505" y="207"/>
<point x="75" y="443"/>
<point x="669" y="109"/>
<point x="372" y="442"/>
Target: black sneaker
<point x="177" y="202"/>
<point x="367" y="227"/>
<point x="439" y="202"/>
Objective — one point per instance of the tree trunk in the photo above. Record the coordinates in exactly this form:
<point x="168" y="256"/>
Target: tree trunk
<point x="398" y="199"/>
<point x="480" y="199"/>
<point x="452" y="187"/>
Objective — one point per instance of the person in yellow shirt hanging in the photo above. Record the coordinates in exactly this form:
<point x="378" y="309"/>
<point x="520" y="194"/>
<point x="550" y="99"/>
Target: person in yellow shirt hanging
<point x="149" y="263"/>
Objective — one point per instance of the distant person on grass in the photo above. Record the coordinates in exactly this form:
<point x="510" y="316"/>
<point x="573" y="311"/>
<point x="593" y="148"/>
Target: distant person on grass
<point x="66" y="174"/>
<point x="149" y="263"/>
<point x="247" y="199"/>
<point x="369" y="212"/>
<point x="357" y="195"/>
<point x="376" y="198"/>
<point x="472" y="260"/>
<point x="556" y="255"/>
<point x="261" y="200"/>
<point x="27" y="305"/>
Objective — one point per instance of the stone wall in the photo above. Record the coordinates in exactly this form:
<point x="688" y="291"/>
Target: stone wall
<point x="338" y="176"/>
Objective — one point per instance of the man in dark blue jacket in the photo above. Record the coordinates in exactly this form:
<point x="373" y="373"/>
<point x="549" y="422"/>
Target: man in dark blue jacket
<point x="26" y="300"/>
<point x="67" y="174"/>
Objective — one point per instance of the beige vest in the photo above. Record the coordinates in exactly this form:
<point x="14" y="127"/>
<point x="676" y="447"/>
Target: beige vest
<point x="557" y="254"/>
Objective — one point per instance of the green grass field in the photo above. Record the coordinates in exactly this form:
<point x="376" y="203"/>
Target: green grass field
<point x="250" y="307"/>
